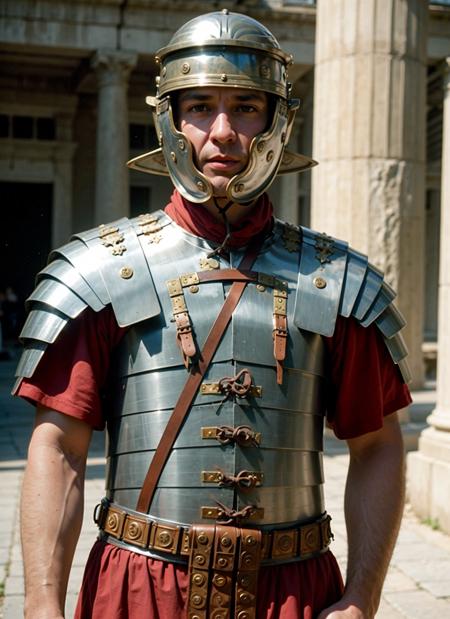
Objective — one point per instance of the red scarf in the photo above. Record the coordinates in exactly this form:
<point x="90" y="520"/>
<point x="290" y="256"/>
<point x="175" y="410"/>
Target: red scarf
<point x="197" y="220"/>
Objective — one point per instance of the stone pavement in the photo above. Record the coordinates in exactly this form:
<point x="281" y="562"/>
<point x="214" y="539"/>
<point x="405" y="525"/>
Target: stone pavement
<point x="417" y="585"/>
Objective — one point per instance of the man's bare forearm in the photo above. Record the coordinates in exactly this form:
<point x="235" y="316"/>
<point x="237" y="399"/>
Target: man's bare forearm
<point x="374" y="502"/>
<point x="51" y="517"/>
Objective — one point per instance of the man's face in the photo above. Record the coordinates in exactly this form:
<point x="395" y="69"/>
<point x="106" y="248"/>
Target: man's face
<point x="220" y="123"/>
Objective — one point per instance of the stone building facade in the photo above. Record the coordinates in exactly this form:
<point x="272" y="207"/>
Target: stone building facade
<point x="373" y="79"/>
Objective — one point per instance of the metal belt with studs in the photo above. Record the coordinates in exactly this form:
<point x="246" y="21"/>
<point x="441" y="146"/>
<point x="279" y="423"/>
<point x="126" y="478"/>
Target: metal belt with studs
<point x="171" y="542"/>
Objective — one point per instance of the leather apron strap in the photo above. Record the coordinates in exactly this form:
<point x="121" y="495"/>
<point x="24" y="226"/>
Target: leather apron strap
<point x="192" y="384"/>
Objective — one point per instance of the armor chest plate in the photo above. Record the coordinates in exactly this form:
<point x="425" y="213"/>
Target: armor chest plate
<point x="262" y="449"/>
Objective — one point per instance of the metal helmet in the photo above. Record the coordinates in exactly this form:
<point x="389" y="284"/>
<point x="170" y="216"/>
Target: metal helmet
<point x="228" y="50"/>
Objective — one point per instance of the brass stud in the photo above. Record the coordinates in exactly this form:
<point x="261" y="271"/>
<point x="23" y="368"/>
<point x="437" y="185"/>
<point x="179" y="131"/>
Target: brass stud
<point x="173" y="156"/>
<point x="134" y="530"/>
<point x="224" y="77"/>
<point x="226" y="541"/>
<point x="260" y="147"/>
<point x="196" y="599"/>
<point x="201" y="185"/>
<point x="199" y="560"/>
<point x="198" y="579"/>
<point x="260" y="288"/>
<point x="244" y="598"/>
<point x="185" y="67"/>
<point x="320" y="282"/>
<point x="240" y="187"/>
<point x="126" y="272"/>
<point x="194" y="289"/>
<point x="202" y="538"/>
<point x="264" y="71"/>
<point x="219" y="580"/>
<point x="181" y="144"/>
<point x="222" y="562"/>
<point x="165" y="539"/>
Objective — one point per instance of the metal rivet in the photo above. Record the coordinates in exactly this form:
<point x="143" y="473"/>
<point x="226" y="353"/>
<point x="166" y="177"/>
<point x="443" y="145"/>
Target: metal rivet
<point x="194" y="289"/>
<point x="201" y="185"/>
<point x="185" y="67"/>
<point x="269" y="155"/>
<point x="181" y="144"/>
<point x="260" y="288"/>
<point x="157" y="80"/>
<point x="283" y="138"/>
<point x="198" y="579"/>
<point x="226" y="541"/>
<point x="173" y="156"/>
<point x="202" y="538"/>
<point x="219" y="580"/>
<point x="264" y="71"/>
<point x="261" y="146"/>
<point x="164" y="538"/>
<point x="224" y="77"/>
<point x="251" y="541"/>
<point x="199" y="560"/>
<point x="319" y="282"/>
<point x="240" y="187"/>
<point x="126" y="272"/>
<point x="196" y="599"/>
<point x="222" y="562"/>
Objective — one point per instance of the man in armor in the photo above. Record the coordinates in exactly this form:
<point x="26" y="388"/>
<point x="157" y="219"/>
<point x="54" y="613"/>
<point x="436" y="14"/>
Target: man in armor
<point x="212" y="340"/>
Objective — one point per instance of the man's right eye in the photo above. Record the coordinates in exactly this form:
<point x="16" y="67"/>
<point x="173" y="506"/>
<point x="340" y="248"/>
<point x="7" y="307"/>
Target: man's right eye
<point x="198" y="107"/>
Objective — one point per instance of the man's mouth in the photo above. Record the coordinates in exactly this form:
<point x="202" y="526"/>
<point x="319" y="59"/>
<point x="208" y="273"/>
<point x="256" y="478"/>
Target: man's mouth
<point x="223" y="162"/>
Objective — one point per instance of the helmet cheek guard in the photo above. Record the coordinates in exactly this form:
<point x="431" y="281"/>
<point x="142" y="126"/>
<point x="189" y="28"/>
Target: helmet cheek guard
<point x="178" y="154"/>
<point x="265" y="155"/>
<point x="231" y="51"/>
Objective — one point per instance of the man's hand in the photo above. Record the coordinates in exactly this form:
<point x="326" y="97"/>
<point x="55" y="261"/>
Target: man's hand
<point x="342" y="610"/>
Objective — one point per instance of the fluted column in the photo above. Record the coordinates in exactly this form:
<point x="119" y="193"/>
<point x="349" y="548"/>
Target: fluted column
<point x="113" y="68"/>
<point x="429" y="468"/>
<point x="369" y="139"/>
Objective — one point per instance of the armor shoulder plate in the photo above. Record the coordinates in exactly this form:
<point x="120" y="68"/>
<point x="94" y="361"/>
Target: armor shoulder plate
<point x="102" y="266"/>
<point x="335" y="279"/>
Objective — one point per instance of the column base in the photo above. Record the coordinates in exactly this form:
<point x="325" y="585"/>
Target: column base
<point x="428" y="478"/>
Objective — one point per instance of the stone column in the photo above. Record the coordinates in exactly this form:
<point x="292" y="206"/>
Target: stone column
<point x="429" y="468"/>
<point x="113" y="68"/>
<point x="369" y="139"/>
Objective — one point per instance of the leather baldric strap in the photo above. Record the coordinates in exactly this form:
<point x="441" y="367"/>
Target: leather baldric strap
<point x="192" y="385"/>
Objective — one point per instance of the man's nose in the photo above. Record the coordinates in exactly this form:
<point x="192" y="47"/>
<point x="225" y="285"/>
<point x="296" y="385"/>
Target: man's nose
<point x="222" y="128"/>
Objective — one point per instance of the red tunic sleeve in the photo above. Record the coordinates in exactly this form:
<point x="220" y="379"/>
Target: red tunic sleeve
<point x="365" y="384"/>
<point x="73" y="370"/>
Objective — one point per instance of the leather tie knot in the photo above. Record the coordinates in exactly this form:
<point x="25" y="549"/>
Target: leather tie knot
<point x="242" y="435"/>
<point x="238" y="385"/>
<point x="229" y="515"/>
<point x="244" y="480"/>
